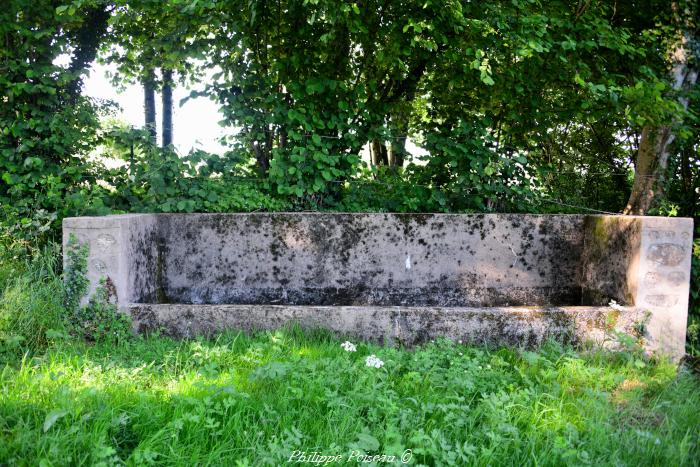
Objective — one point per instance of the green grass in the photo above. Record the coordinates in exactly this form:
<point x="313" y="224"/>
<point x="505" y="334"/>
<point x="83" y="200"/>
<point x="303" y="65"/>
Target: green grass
<point x="255" y="400"/>
<point x="242" y="400"/>
<point x="31" y="301"/>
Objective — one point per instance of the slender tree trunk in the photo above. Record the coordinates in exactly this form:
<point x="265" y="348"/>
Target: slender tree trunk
<point x="655" y="143"/>
<point x="397" y="152"/>
<point x="282" y="133"/>
<point x="378" y="153"/>
<point x="262" y="151"/>
<point x="167" y="100"/>
<point x="149" y="105"/>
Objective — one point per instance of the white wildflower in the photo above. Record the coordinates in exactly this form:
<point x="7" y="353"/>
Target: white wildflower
<point x="615" y="306"/>
<point x="349" y="346"/>
<point x="373" y="361"/>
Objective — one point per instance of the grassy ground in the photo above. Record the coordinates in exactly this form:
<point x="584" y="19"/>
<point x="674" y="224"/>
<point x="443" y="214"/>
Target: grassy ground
<point x="276" y="397"/>
<point x="241" y="400"/>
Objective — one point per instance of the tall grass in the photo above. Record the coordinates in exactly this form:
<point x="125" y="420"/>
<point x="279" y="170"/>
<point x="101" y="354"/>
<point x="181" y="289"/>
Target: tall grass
<point x="31" y="300"/>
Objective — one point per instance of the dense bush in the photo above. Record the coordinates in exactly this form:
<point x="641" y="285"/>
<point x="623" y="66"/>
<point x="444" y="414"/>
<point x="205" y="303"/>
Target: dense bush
<point x="159" y="180"/>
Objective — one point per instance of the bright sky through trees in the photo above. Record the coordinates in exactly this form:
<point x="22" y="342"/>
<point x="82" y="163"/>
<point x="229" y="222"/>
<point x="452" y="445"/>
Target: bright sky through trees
<point x="196" y="122"/>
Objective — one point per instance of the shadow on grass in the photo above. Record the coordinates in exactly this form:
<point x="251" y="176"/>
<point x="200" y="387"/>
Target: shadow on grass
<point x="257" y="398"/>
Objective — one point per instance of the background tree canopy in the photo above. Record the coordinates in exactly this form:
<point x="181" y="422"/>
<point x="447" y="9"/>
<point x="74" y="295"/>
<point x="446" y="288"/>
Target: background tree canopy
<point x="521" y="106"/>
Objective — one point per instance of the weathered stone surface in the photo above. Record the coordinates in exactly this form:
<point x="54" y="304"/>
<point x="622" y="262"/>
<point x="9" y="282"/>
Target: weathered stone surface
<point x="611" y="251"/>
<point x="121" y="249"/>
<point x="519" y="326"/>
<point x="665" y="252"/>
<point x="645" y="262"/>
<point x="437" y="262"/>
<point x="371" y="259"/>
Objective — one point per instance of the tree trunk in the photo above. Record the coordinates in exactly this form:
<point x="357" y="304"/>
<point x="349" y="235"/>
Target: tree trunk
<point x="378" y="153"/>
<point x="149" y="105"/>
<point x="167" y="100"/>
<point x="652" y="160"/>
<point x="397" y="152"/>
<point x="282" y="137"/>
<point x="262" y="150"/>
<point x="654" y="145"/>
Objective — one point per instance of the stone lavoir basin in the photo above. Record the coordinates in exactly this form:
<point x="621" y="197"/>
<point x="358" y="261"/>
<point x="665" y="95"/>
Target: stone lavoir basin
<point x="398" y="278"/>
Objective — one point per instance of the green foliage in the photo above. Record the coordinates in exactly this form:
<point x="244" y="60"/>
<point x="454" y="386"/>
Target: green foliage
<point x="467" y="172"/>
<point x="255" y="400"/>
<point x="46" y="127"/>
<point x="308" y="84"/>
<point x="76" y="283"/>
<point x="100" y="320"/>
<point x="159" y="180"/>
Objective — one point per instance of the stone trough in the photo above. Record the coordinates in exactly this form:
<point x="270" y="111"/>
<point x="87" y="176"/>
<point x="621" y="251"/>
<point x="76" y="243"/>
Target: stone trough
<point x="399" y="278"/>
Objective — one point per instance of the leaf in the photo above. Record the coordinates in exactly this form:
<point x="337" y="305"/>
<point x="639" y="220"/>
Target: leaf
<point x="52" y="418"/>
<point x="487" y="79"/>
<point x="273" y="370"/>
<point x="316" y="139"/>
<point x="367" y="442"/>
<point x="55" y="334"/>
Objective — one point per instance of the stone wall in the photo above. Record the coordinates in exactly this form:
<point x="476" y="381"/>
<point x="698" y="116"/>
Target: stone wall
<point x="644" y="262"/>
<point x="371" y="259"/>
<point x="408" y="260"/>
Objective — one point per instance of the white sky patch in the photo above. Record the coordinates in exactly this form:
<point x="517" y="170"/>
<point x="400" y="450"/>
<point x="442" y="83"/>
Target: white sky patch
<point x="195" y="124"/>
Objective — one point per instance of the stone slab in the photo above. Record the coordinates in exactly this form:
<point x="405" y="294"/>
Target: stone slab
<point x="515" y="326"/>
